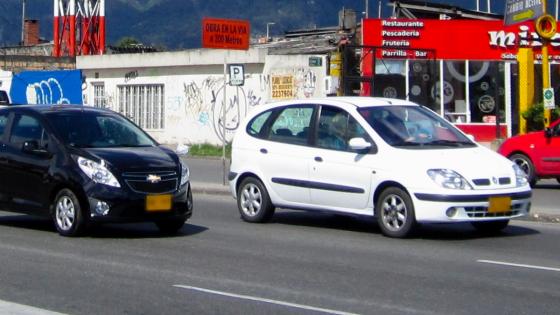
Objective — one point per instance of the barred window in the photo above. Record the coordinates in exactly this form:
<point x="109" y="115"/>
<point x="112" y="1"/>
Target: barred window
<point x="99" y="95"/>
<point x="143" y="104"/>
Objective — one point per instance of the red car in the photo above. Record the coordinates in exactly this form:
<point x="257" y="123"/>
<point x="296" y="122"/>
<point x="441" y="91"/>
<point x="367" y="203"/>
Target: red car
<point x="537" y="153"/>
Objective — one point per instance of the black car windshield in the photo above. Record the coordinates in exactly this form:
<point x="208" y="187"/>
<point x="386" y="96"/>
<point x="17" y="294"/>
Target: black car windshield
<point x="413" y="127"/>
<point x="97" y="130"/>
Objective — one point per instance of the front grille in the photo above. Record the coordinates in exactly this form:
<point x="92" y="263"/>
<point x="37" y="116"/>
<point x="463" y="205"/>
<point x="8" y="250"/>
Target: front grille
<point x="487" y="182"/>
<point x="482" y="212"/>
<point x="138" y="182"/>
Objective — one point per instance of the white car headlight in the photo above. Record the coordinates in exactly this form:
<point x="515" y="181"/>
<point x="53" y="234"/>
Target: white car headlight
<point x="98" y="172"/>
<point x="449" y="179"/>
<point x="185" y="173"/>
<point x="520" y="176"/>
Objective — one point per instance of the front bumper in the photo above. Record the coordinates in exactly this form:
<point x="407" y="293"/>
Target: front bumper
<point x="469" y="208"/>
<point x="108" y="204"/>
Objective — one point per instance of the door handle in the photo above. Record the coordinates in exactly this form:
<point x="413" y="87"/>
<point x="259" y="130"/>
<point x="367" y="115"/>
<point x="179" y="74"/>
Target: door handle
<point x="318" y="159"/>
<point x="264" y="151"/>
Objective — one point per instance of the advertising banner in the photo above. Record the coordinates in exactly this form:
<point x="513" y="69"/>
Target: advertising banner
<point x="452" y="39"/>
<point x="47" y="87"/>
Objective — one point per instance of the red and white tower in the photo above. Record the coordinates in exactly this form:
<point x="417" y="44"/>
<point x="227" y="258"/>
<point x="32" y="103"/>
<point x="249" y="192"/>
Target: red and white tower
<point x="79" y="27"/>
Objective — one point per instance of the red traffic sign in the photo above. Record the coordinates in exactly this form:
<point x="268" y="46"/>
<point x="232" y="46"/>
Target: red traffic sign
<point x="225" y="33"/>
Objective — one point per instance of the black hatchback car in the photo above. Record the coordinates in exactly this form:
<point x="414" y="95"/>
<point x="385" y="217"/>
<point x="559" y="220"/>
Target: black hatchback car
<point x="82" y="165"/>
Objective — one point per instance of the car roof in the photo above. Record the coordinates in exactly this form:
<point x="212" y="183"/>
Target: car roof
<point x="42" y="109"/>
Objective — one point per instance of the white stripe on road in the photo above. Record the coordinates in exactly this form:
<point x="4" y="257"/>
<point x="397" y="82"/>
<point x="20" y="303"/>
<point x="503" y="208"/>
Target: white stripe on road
<point x="258" y="299"/>
<point x="518" y="265"/>
<point x="19" y="309"/>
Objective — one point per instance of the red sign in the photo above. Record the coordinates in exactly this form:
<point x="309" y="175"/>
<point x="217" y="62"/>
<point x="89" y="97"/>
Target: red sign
<point x="451" y="39"/>
<point x="225" y="34"/>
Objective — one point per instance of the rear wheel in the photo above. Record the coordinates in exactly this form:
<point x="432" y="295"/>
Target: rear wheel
<point x="524" y="162"/>
<point x="395" y="213"/>
<point x="67" y="214"/>
<point x="253" y="201"/>
<point x="490" y="226"/>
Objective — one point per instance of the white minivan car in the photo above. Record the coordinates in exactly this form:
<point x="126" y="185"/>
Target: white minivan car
<point x="386" y="158"/>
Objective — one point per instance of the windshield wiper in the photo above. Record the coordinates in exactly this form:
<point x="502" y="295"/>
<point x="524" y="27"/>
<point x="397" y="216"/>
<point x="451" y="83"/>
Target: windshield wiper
<point x="451" y="143"/>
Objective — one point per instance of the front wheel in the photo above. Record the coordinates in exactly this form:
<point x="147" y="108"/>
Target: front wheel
<point x="253" y="201"/>
<point x="490" y="226"/>
<point x="395" y="213"/>
<point x="67" y="214"/>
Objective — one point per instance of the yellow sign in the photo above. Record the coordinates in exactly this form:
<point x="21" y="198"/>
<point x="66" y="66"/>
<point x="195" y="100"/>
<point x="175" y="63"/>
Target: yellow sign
<point x="282" y="86"/>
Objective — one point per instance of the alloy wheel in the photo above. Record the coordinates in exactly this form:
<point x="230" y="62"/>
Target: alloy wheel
<point x="251" y="200"/>
<point x="65" y="213"/>
<point x="394" y="212"/>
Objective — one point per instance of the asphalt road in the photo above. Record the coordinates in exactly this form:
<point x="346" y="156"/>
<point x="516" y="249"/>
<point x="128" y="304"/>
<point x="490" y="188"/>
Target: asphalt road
<point x="300" y="263"/>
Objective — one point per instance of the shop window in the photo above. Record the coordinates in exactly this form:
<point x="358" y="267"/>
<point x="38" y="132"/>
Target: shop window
<point x="486" y="91"/>
<point x="389" y="80"/>
<point x="454" y="92"/>
<point x="143" y="104"/>
<point x="423" y="78"/>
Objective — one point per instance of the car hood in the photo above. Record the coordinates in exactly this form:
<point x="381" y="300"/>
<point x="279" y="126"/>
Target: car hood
<point x="471" y="163"/>
<point x="136" y="159"/>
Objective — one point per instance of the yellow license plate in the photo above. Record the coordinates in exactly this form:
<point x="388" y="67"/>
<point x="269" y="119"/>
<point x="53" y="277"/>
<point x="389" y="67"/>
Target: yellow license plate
<point x="158" y="203"/>
<point x="499" y="204"/>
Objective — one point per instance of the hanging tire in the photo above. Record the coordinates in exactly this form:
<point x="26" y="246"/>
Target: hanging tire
<point x="490" y="226"/>
<point x="67" y="213"/>
<point x="395" y="213"/>
<point x="253" y="201"/>
<point x="524" y="162"/>
<point x="170" y="226"/>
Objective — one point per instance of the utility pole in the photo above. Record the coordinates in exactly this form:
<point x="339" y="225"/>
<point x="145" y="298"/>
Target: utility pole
<point x="378" y="9"/>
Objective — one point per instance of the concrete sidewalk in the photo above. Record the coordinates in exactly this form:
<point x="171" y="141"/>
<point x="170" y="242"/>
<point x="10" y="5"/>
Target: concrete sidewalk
<point x="207" y="177"/>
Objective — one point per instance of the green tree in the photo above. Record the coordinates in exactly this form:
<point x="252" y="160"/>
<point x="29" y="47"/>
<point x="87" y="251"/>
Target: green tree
<point x="128" y="41"/>
<point x="535" y="116"/>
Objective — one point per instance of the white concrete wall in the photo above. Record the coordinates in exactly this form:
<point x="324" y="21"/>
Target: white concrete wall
<point x="5" y="80"/>
<point x="194" y="87"/>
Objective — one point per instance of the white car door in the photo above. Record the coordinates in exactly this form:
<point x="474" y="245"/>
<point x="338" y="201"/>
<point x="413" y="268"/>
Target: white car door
<point x="285" y="154"/>
<point x="339" y="178"/>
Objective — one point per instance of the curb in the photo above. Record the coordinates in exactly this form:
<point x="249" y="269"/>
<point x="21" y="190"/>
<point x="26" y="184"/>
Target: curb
<point x="218" y="189"/>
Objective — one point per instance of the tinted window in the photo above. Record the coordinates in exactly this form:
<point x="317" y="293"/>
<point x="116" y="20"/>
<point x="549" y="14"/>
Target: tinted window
<point x="292" y="125"/>
<point x="98" y="130"/>
<point x="4" y="100"/>
<point x="27" y="128"/>
<point x="255" y="126"/>
<point x="3" y="123"/>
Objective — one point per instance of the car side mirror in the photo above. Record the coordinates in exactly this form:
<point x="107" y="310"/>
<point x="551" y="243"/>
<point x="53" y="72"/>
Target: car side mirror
<point x="548" y="133"/>
<point x="32" y="147"/>
<point x="359" y="145"/>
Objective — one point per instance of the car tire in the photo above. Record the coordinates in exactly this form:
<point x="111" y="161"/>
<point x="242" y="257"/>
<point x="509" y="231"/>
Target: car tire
<point x="170" y="226"/>
<point x="253" y="201"/>
<point x="524" y="162"/>
<point x="67" y="213"/>
<point x="490" y="226"/>
<point x="395" y="213"/>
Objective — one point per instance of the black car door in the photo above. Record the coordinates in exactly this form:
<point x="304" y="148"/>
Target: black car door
<point x="27" y="153"/>
<point x="4" y="185"/>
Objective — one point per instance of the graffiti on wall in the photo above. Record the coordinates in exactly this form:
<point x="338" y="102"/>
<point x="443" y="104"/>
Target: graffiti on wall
<point x="47" y="87"/>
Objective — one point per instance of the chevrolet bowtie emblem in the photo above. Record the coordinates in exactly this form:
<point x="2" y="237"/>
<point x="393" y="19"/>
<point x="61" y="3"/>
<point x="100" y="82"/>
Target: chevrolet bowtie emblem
<point x="154" y="179"/>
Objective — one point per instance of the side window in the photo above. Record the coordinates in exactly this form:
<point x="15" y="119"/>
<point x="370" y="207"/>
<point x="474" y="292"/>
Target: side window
<point x="3" y="123"/>
<point x="332" y="129"/>
<point x="27" y="128"/>
<point x="255" y="126"/>
<point x="292" y="125"/>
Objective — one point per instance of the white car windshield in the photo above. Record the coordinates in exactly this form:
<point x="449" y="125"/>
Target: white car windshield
<point x="413" y="126"/>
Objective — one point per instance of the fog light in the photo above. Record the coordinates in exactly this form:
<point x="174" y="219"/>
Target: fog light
<point x="451" y="212"/>
<point x="102" y="208"/>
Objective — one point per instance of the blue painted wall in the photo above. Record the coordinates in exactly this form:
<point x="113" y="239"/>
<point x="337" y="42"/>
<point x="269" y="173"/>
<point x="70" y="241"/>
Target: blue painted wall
<point x="47" y="87"/>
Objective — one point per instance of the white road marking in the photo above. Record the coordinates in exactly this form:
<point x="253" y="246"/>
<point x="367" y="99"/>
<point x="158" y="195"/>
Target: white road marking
<point x="518" y="265"/>
<point x="258" y="299"/>
<point x="20" y="309"/>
